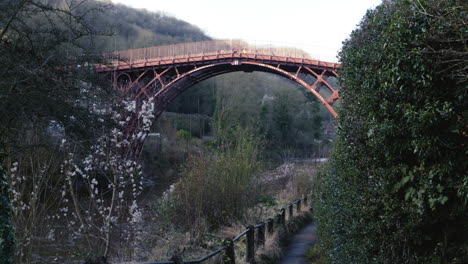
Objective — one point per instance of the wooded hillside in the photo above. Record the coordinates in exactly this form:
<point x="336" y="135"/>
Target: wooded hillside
<point x="139" y="28"/>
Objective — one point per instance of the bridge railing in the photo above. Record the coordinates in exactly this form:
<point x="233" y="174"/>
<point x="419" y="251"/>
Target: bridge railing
<point x="253" y="236"/>
<point x="196" y="49"/>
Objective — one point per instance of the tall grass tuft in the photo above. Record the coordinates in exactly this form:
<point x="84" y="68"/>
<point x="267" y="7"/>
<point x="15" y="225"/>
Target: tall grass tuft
<point x="218" y="184"/>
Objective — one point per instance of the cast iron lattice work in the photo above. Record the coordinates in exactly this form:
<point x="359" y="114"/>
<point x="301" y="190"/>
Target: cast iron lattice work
<point x="162" y="73"/>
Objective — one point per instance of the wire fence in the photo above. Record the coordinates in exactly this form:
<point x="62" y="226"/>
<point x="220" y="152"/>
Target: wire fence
<point x="253" y="237"/>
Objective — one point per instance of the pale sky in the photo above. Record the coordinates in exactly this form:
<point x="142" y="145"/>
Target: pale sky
<point x="317" y="26"/>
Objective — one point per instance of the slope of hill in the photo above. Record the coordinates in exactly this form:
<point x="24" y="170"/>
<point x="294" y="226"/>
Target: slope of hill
<point x="139" y="28"/>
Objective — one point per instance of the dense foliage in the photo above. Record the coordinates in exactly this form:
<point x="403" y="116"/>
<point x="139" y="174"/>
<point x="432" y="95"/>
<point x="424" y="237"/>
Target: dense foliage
<point x="396" y="189"/>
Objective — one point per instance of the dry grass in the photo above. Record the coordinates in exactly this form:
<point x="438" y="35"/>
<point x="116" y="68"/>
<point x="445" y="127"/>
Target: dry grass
<point x="272" y="250"/>
<point x="289" y="181"/>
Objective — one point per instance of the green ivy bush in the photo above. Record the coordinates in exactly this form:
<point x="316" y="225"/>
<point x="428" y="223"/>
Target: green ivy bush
<point x="396" y="188"/>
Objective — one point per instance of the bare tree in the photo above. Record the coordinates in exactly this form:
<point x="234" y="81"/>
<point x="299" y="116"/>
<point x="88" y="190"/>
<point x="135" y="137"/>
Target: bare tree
<point x="47" y="86"/>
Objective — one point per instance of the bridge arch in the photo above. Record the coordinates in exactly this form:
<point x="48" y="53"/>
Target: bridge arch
<point x="162" y="73"/>
<point x="184" y="81"/>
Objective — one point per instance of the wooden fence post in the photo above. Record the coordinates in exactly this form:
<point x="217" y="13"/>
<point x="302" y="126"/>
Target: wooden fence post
<point x="283" y="216"/>
<point x="251" y="244"/>
<point x="261" y="235"/>
<point x="229" y="256"/>
<point x="271" y="225"/>
<point x="291" y="212"/>
<point x="299" y="206"/>
<point x="177" y="259"/>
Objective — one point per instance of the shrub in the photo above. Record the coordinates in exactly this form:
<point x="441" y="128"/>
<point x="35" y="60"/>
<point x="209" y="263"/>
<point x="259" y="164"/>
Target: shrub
<point x="395" y="190"/>
<point x="218" y="184"/>
<point x="315" y="255"/>
<point x="184" y="135"/>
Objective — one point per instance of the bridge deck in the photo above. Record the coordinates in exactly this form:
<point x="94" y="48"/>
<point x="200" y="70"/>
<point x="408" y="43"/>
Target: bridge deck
<point x="206" y="52"/>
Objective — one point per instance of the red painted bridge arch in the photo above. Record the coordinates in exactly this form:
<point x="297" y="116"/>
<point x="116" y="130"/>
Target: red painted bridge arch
<point x="164" y="72"/>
